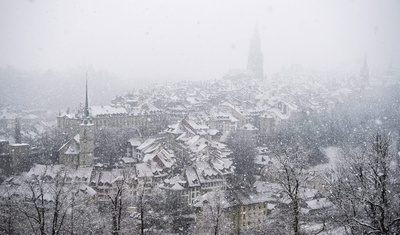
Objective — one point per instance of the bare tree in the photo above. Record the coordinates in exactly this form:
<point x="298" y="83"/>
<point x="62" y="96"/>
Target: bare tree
<point x="9" y="215"/>
<point x="214" y="218"/>
<point x="83" y="217"/>
<point x="45" y="204"/>
<point x="366" y="190"/>
<point x="292" y="175"/>
<point x="119" y="201"/>
<point x="133" y="214"/>
<point x="117" y="207"/>
<point x="45" y="207"/>
<point x="151" y="211"/>
<point x="142" y="209"/>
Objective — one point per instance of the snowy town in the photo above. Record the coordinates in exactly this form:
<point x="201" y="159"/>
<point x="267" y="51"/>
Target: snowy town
<point x="299" y="151"/>
<point x="182" y="141"/>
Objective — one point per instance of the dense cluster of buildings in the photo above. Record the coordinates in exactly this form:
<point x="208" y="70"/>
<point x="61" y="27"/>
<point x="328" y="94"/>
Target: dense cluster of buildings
<point x="223" y="105"/>
<point x="246" y="212"/>
<point x="182" y="145"/>
<point x="188" y="157"/>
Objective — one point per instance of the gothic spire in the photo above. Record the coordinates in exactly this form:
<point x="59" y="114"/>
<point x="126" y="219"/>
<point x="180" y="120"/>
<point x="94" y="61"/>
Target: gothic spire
<point x="86" y="111"/>
<point x="255" y="58"/>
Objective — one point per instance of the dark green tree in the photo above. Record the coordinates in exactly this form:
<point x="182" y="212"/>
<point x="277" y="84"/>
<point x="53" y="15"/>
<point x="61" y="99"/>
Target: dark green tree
<point x="17" y="131"/>
<point x="242" y="143"/>
<point x="111" y="143"/>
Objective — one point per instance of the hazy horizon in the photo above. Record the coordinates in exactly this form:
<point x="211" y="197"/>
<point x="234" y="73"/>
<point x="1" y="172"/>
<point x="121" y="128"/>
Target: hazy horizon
<point x="180" y="40"/>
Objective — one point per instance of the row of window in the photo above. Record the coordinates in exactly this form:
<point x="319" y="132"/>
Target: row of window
<point x="141" y="121"/>
<point x="253" y="207"/>
<point x="213" y="184"/>
<point x="249" y="216"/>
<point x="63" y="123"/>
<point x="246" y="225"/>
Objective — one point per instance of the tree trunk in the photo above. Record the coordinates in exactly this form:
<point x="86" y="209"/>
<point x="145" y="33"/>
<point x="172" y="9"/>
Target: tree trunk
<point x="296" y="217"/>
<point x="141" y="217"/>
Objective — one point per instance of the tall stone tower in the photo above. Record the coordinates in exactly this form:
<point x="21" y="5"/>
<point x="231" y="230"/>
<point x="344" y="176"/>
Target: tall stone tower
<point x="364" y="74"/>
<point x="255" y="59"/>
<point x="86" y="136"/>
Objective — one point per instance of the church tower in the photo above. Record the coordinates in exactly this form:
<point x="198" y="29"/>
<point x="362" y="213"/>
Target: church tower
<point x="86" y="136"/>
<point x="255" y="59"/>
<point x="364" y="74"/>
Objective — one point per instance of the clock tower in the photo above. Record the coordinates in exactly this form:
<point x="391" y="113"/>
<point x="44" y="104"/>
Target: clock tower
<point x="86" y="136"/>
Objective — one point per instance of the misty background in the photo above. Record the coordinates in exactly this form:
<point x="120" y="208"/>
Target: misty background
<point x="48" y="46"/>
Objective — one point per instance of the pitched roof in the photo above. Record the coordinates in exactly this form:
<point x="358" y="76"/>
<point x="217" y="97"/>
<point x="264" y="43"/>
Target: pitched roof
<point x="106" y="110"/>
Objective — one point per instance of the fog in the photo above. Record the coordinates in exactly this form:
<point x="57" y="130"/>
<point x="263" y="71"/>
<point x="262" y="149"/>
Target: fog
<point x="199" y="117"/>
<point x="152" y="41"/>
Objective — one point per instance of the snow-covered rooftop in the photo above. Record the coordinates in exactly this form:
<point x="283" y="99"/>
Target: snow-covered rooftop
<point x="106" y="110"/>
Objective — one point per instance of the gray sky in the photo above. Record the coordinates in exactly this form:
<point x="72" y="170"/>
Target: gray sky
<point x="197" y="39"/>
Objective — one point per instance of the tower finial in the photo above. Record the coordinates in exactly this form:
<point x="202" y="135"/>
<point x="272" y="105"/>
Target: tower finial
<point x="87" y="101"/>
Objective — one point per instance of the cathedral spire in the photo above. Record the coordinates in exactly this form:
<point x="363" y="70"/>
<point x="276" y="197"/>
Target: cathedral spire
<point x="255" y="59"/>
<point x="86" y="111"/>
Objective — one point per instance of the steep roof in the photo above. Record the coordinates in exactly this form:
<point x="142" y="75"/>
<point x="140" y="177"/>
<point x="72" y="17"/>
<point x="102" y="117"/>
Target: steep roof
<point x="73" y="148"/>
<point x="107" y="110"/>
